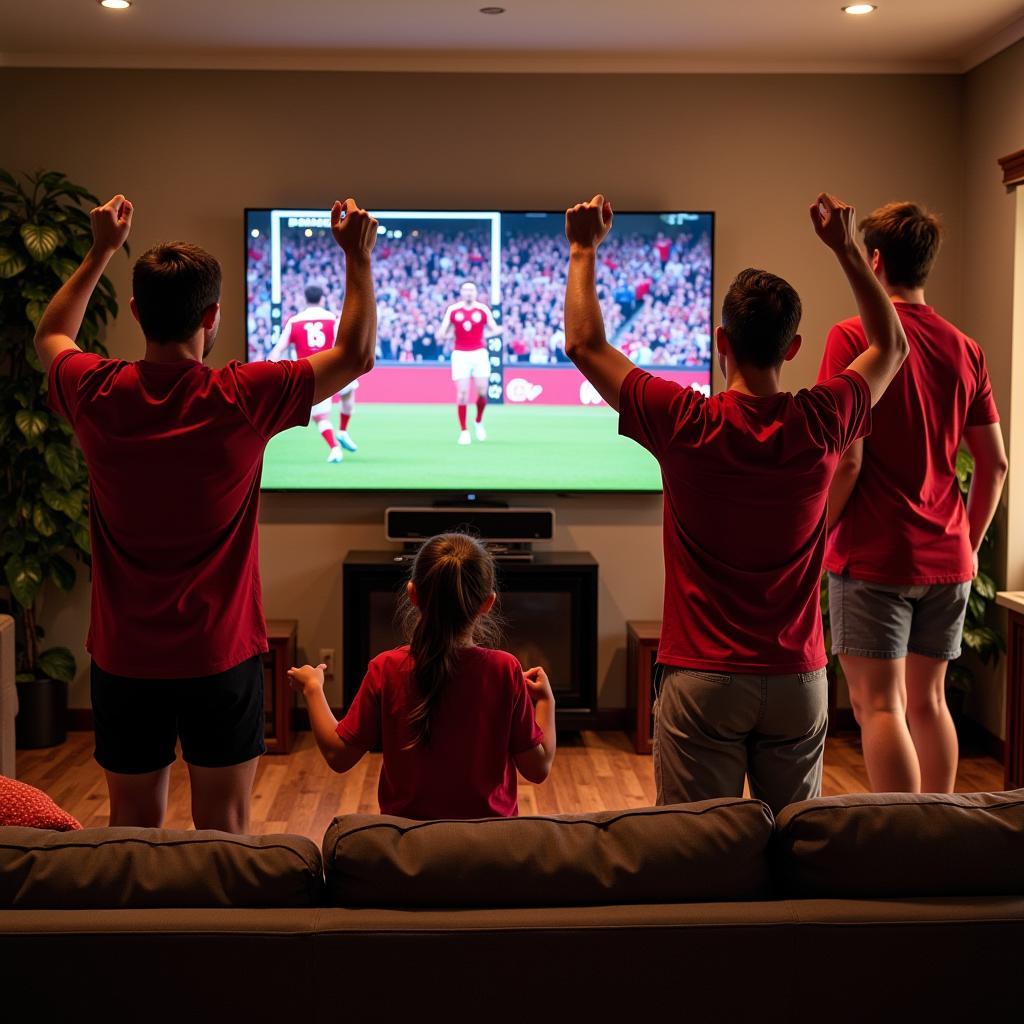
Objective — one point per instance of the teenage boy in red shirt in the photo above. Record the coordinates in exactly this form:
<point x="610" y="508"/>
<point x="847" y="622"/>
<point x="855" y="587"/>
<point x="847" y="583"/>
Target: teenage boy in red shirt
<point x="746" y="475"/>
<point x="902" y="549"/>
<point x="175" y="451"/>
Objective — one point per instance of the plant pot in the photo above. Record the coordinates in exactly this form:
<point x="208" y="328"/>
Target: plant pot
<point x="42" y="719"/>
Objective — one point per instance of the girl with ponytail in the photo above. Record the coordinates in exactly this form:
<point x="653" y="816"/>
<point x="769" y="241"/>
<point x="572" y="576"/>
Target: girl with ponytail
<point x="454" y="716"/>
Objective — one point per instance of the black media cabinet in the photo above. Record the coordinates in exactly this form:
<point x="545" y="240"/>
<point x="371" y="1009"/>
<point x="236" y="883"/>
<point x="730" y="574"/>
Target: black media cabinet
<point x="548" y="607"/>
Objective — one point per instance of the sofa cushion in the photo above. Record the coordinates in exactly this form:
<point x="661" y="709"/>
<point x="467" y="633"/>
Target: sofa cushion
<point x="900" y="844"/>
<point x="139" y="867"/>
<point x="715" y="850"/>
<point x="24" y="805"/>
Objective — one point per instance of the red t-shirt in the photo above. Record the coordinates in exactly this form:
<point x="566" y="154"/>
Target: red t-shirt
<point x="175" y="452"/>
<point x="483" y="719"/>
<point x="469" y="323"/>
<point x="746" y="484"/>
<point x="311" y="331"/>
<point x="905" y="521"/>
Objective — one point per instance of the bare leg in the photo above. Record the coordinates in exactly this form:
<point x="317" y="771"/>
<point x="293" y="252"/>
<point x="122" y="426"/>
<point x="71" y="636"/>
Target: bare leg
<point x="221" y="796"/>
<point x="931" y="724"/>
<point x="139" y="801"/>
<point x="879" y="696"/>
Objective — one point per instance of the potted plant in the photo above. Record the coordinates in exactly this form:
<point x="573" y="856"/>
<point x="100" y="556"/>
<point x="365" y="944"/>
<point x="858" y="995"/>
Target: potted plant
<point x="44" y="518"/>
<point x="981" y="640"/>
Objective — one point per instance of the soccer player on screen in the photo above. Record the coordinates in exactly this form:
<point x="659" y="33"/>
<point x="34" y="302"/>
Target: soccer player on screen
<point x="305" y="334"/>
<point x="472" y="323"/>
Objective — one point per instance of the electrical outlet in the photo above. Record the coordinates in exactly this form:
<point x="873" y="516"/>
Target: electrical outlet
<point x="327" y="658"/>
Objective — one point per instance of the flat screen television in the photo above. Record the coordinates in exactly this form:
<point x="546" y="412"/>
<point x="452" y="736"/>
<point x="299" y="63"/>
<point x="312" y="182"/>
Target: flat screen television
<point x="473" y="301"/>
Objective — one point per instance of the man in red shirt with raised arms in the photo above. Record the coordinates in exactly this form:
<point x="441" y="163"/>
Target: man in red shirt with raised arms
<point x="746" y="475"/>
<point x="175" y="451"/>
<point x="902" y="548"/>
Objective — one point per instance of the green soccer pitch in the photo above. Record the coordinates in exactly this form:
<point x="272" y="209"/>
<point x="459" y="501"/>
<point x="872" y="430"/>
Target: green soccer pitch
<point x="413" y="447"/>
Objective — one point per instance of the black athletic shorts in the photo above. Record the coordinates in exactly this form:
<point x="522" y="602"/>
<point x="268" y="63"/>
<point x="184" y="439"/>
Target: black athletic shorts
<point x="219" y="719"/>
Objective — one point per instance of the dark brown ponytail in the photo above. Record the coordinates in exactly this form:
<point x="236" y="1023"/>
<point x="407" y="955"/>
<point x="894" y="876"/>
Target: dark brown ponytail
<point x="453" y="575"/>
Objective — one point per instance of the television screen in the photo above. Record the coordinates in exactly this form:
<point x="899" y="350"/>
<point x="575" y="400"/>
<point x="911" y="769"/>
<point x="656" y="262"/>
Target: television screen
<point x="472" y="389"/>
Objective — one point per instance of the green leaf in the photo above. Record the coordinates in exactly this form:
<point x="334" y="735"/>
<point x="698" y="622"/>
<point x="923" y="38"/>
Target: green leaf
<point x="11" y="263"/>
<point x="57" y="663"/>
<point x="31" y="357"/>
<point x="976" y="608"/>
<point x="63" y="267"/>
<point x="32" y="423"/>
<point x="34" y="311"/>
<point x="12" y="542"/>
<point x="985" y="586"/>
<point x="24" y="577"/>
<point x="43" y="523"/>
<point x="62" y="463"/>
<point x="62" y="572"/>
<point x="81" y="534"/>
<point x="41" y="240"/>
<point x="71" y="503"/>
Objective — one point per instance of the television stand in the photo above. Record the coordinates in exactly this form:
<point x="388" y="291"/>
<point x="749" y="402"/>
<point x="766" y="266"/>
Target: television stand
<point x="548" y="608"/>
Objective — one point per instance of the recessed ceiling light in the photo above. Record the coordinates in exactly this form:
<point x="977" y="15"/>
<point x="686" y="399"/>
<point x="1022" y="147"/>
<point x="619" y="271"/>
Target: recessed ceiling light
<point x="492" y="10"/>
<point x="116" y="5"/>
<point x="860" y="8"/>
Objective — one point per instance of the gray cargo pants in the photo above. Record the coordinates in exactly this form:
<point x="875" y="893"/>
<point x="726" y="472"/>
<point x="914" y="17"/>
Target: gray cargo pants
<point x="712" y="729"/>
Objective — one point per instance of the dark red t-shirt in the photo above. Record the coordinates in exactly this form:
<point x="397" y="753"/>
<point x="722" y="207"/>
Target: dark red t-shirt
<point x="905" y="521"/>
<point x="484" y="718"/>
<point x="746" y="484"/>
<point x="175" y="452"/>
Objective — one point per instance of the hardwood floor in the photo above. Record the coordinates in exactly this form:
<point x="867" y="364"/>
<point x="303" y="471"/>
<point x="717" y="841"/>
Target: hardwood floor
<point x="298" y="793"/>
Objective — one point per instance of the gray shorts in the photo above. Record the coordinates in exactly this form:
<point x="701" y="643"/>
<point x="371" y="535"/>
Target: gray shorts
<point x="884" y="620"/>
<point x="712" y="729"/>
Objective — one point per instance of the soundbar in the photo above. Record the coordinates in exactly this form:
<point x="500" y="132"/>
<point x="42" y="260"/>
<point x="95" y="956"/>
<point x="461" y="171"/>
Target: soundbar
<point x="493" y="525"/>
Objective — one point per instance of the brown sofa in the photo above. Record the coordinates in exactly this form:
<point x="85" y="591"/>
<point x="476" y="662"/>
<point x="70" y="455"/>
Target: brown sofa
<point x="848" y="908"/>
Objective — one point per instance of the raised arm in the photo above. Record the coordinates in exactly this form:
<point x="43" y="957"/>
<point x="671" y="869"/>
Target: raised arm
<point x="355" y="231"/>
<point x="586" y="225"/>
<point x="985" y="443"/>
<point x="836" y="225"/>
<point x="59" y="325"/>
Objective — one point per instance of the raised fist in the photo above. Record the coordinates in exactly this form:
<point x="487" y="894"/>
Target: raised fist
<point x="587" y="224"/>
<point x="111" y="223"/>
<point x="353" y="228"/>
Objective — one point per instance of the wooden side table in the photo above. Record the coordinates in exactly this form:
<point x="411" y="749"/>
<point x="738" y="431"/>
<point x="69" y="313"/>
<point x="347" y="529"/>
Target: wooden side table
<point x="282" y="635"/>
<point x="642" y="639"/>
<point x="1013" y="755"/>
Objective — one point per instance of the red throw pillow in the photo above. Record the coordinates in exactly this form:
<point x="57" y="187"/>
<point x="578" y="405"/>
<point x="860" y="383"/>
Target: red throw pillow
<point x="28" y="807"/>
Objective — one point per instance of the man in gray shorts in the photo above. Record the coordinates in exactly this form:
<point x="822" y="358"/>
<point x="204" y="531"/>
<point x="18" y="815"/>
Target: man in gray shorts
<point x="746" y="475"/>
<point x="903" y="549"/>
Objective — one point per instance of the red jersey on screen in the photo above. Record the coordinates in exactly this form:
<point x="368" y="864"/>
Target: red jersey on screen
<point x="905" y="521"/>
<point x="175" y="452"/>
<point x="469" y="323"/>
<point x="311" y="331"/>
<point x="484" y="718"/>
<point x="746" y="482"/>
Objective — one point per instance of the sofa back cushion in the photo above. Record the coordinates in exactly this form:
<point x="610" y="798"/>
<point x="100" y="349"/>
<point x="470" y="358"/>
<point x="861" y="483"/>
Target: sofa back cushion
<point x="715" y="850"/>
<point x="139" y="867"/>
<point x="899" y="844"/>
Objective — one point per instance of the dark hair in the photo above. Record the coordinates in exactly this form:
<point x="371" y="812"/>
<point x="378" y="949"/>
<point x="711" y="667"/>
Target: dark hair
<point x="908" y="237"/>
<point x="453" y="575"/>
<point x="173" y="285"/>
<point x="314" y="293"/>
<point x="760" y="314"/>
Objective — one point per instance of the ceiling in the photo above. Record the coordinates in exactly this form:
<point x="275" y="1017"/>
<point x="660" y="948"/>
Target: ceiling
<point x="533" y="35"/>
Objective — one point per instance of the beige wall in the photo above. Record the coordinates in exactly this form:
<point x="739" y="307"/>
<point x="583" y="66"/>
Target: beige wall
<point x="193" y="148"/>
<point x="994" y="127"/>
